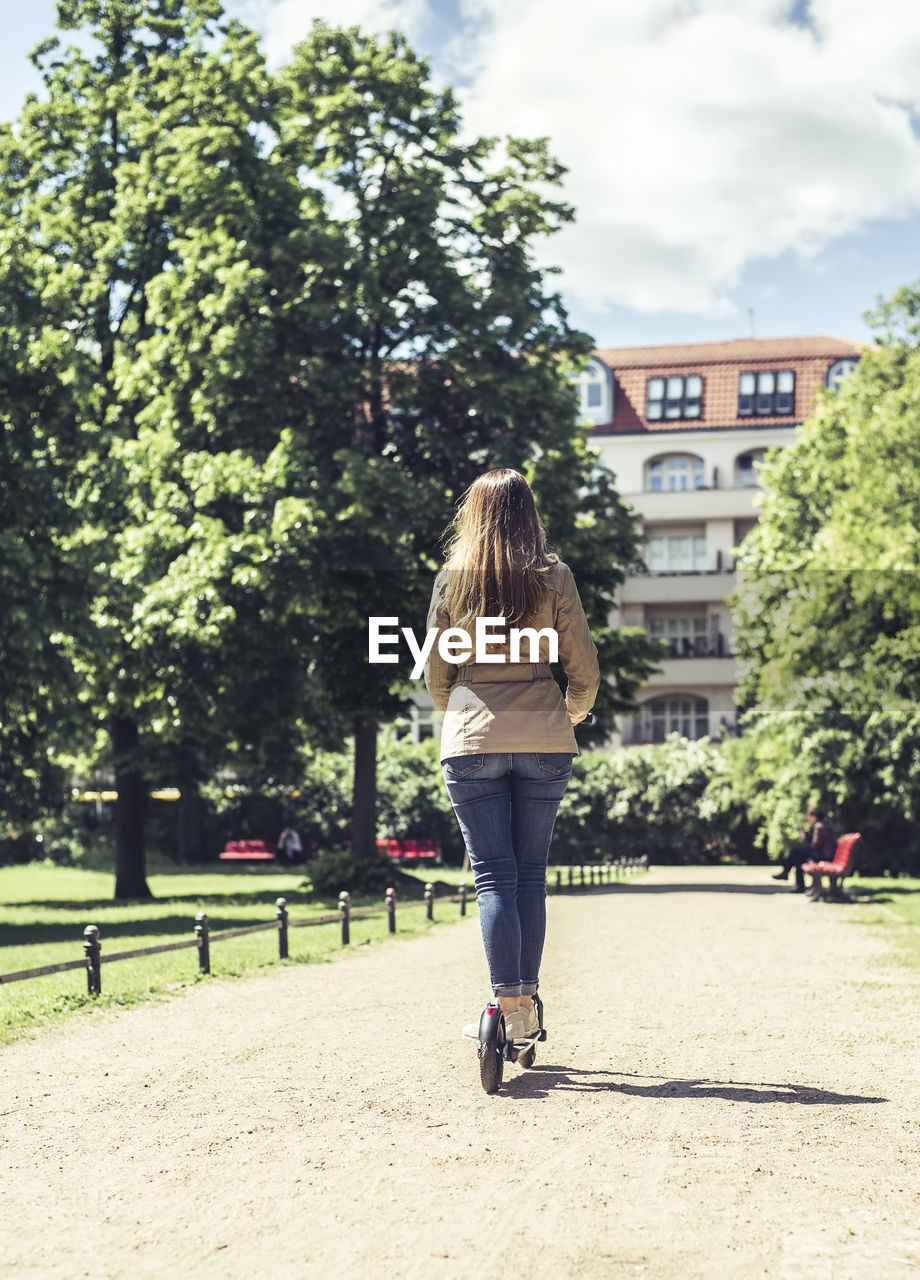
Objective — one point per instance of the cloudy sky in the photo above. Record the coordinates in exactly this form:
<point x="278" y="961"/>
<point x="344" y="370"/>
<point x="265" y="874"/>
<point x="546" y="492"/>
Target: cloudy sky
<point x="731" y="161"/>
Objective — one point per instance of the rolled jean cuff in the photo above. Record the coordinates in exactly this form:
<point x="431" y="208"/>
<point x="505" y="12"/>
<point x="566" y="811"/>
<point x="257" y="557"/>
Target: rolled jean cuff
<point x="507" y="990"/>
<point x="529" y="988"/>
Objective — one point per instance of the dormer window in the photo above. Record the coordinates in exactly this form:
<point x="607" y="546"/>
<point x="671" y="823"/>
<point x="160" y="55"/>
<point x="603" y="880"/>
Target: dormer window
<point x="595" y="393"/>
<point x="767" y="393"/>
<point x="839" y="370"/>
<point x="676" y="397"/>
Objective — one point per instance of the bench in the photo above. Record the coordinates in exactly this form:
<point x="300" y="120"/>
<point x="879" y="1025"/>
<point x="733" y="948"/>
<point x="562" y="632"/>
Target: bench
<point x="411" y="850"/>
<point x="836" y="871"/>
<point x="246" y="851"/>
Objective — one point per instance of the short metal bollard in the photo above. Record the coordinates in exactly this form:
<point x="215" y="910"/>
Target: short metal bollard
<point x="92" y="949"/>
<point x="462" y="892"/>
<point x="282" y="915"/>
<point x="203" y="937"/>
<point x="345" y="916"/>
<point x="429" y="901"/>
<point x="391" y="910"/>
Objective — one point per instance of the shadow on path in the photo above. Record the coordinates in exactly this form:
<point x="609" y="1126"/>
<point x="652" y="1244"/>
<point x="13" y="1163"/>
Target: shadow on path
<point x="542" y="1079"/>
<point x="577" y="890"/>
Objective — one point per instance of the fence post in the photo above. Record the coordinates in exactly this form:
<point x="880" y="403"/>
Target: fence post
<point x="204" y="941"/>
<point x="345" y="916"/>
<point x="463" y="899"/>
<point x="558" y="879"/>
<point x="429" y="901"/>
<point x="91" y="950"/>
<point x="391" y="910"/>
<point x="570" y="875"/>
<point x="282" y="916"/>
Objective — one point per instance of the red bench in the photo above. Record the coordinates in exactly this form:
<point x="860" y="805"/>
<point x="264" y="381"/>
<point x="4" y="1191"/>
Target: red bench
<point x="246" y="851"/>
<point x="842" y="865"/>
<point x="411" y="850"/>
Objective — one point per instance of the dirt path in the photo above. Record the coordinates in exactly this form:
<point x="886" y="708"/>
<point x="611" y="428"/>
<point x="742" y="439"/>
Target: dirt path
<point x="704" y="1107"/>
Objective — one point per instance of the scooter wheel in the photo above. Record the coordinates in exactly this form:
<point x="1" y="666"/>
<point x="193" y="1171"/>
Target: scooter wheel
<point x="492" y="1060"/>
<point x="528" y="1057"/>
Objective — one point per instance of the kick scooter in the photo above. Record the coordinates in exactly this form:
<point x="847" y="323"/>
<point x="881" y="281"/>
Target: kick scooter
<point x="495" y="1049"/>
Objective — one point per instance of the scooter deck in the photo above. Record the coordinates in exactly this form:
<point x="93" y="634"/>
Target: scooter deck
<point x="523" y="1044"/>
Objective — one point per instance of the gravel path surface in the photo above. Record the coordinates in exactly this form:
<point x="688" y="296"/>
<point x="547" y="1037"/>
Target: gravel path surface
<point x="711" y="1102"/>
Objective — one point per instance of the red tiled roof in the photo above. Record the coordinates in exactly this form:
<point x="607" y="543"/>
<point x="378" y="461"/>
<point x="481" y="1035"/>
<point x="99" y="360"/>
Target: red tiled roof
<point x="735" y="351"/>
<point x="719" y="363"/>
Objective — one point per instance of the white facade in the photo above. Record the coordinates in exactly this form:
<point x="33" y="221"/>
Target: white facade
<point x="696" y="493"/>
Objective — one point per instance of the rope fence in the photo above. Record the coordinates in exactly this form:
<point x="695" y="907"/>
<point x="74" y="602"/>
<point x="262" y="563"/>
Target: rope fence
<point x="597" y="873"/>
<point x="93" y="959"/>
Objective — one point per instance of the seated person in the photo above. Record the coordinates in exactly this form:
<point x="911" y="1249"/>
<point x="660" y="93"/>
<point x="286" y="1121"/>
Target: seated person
<point x="818" y="844"/>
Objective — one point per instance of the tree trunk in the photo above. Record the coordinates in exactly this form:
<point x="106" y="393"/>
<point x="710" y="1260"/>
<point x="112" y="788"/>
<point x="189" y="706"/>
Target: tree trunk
<point x="189" y="827"/>
<point x="130" y="850"/>
<point x="364" y="791"/>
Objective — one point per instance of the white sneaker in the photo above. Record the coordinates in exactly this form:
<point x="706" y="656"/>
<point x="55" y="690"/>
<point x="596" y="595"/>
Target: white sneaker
<point x="516" y="1024"/>
<point x="471" y="1030"/>
<point x="531" y="1022"/>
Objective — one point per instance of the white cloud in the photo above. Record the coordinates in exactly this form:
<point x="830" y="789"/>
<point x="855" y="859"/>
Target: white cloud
<point x="287" y="22"/>
<point x="699" y="135"/>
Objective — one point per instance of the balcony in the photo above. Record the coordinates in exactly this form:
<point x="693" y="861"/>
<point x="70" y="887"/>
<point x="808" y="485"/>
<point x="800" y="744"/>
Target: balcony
<point x="738" y="503"/>
<point x="682" y="588"/>
<point x="695" y="672"/>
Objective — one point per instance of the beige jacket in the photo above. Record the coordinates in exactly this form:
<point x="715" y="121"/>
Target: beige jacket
<point x="516" y="706"/>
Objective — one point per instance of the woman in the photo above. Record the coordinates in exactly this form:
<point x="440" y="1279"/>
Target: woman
<point x="507" y="741"/>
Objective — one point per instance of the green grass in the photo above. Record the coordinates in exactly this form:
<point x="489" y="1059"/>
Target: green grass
<point x="45" y="909"/>
<point x="891" y="905"/>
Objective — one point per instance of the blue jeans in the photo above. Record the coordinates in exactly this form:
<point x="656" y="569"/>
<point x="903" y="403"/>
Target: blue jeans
<point x="506" y="807"/>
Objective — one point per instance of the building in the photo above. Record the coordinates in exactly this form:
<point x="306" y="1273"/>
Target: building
<point x="684" y="428"/>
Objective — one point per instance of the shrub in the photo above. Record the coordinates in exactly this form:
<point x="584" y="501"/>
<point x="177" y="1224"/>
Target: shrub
<point x="332" y="872"/>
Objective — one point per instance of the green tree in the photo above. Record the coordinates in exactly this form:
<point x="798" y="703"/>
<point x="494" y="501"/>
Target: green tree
<point x="459" y="352"/>
<point x="41" y="593"/>
<point x="828" y="612"/>
<point x="289" y="320"/>
<point x="169" y="250"/>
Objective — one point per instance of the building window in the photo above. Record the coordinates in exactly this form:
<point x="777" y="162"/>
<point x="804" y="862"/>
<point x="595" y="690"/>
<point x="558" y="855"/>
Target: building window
<point x="595" y="397"/>
<point x="766" y="394"/>
<point x="422" y="723"/>
<point x="687" y="716"/>
<point x="673" y="398"/>
<point x="675" y="474"/>
<point x="685" y="553"/>
<point x="685" y="637"/>
<point x="839" y="370"/>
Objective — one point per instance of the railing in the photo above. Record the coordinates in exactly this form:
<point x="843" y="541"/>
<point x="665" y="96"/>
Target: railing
<point x="93" y="959"/>
<point x="686" y="649"/>
<point x="681" y="573"/>
<point x="597" y="873"/>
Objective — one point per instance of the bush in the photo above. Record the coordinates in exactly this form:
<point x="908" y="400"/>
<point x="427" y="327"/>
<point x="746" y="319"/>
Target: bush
<point x="330" y="873"/>
<point x="646" y="801"/>
<point x="412" y="800"/>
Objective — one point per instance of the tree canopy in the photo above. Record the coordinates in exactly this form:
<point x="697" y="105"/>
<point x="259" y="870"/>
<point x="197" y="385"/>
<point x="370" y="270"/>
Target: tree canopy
<point x="259" y="332"/>
<point x="828" y="610"/>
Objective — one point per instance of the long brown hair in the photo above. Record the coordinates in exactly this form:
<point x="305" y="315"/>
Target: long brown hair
<point x="496" y="551"/>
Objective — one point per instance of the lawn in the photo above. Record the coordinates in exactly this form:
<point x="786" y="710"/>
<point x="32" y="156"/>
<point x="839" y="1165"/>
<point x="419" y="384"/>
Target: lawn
<point x="891" y="905"/>
<point x="44" y="910"/>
